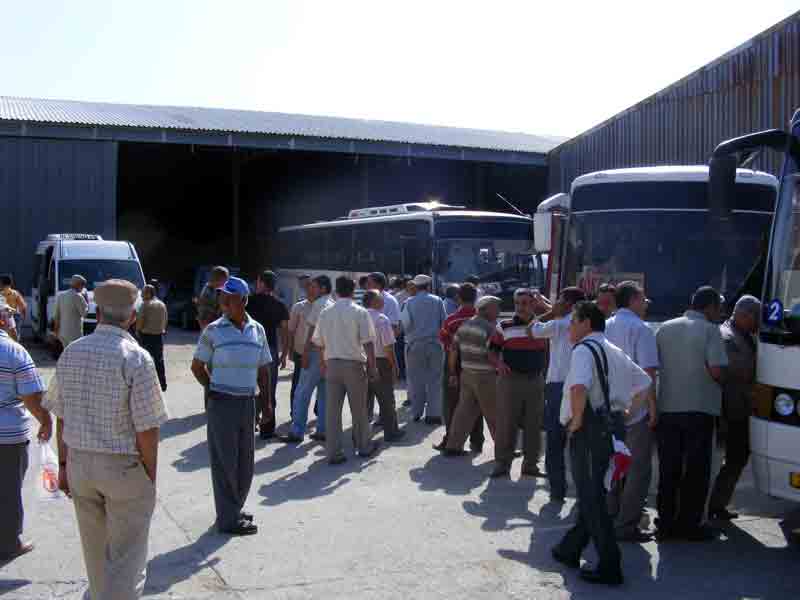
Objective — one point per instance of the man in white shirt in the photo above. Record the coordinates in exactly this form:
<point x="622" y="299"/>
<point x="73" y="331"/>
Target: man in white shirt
<point x="602" y="380"/>
<point x="631" y="334"/>
<point x="554" y="326"/>
<point x="346" y="336"/>
<point x="391" y="307"/>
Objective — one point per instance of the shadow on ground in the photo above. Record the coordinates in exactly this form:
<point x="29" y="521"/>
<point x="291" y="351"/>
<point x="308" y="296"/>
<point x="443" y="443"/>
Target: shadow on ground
<point x="168" y="569"/>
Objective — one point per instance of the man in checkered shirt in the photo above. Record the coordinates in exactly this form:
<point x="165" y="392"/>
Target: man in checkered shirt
<point x="108" y="401"/>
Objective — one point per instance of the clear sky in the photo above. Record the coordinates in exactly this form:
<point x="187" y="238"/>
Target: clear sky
<point x="531" y="65"/>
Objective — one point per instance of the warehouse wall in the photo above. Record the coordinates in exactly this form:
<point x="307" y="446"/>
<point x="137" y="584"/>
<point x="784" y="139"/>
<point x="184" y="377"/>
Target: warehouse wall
<point x="754" y="87"/>
<point x="52" y="186"/>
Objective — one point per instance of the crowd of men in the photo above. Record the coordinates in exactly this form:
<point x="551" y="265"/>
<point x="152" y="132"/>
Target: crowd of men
<point x="582" y="371"/>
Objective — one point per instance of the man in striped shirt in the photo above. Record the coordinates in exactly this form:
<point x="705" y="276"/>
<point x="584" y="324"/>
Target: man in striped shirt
<point x="520" y="362"/>
<point x="478" y="379"/>
<point x="20" y="396"/>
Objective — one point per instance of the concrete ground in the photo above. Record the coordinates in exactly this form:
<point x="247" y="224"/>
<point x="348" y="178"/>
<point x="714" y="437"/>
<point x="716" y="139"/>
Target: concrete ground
<point x="406" y="523"/>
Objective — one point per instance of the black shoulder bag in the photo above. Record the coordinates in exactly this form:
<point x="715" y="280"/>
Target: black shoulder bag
<point x="613" y="420"/>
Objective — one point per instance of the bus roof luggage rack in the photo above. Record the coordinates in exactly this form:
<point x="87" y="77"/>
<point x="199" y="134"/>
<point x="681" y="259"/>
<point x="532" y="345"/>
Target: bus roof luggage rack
<point x="399" y="209"/>
<point x="54" y="237"/>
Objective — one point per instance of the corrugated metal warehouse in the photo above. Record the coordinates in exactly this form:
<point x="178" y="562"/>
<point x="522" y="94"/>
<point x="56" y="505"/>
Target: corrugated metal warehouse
<point x="754" y="87"/>
<point x="192" y="186"/>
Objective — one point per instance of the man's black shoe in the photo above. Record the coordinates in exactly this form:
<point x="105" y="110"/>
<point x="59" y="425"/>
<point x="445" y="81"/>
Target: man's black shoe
<point x="371" y="452"/>
<point x="317" y="436"/>
<point x="338" y="460"/>
<point x="435" y="421"/>
<point x="597" y="576"/>
<point x="246" y="516"/>
<point x="454" y="452"/>
<point x="395" y="437"/>
<point x="266" y="434"/>
<point x="290" y="438"/>
<point x="242" y="528"/>
<point x="501" y="470"/>
<point x="703" y="533"/>
<point x="476" y="448"/>
<point x="568" y="561"/>
<point x="532" y="471"/>
<point x="723" y="515"/>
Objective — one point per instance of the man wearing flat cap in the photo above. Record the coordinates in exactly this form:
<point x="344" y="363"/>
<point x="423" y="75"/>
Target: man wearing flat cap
<point x="422" y="317"/>
<point x="108" y="401"/>
<point x="71" y="307"/>
<point x="232" y="362"/>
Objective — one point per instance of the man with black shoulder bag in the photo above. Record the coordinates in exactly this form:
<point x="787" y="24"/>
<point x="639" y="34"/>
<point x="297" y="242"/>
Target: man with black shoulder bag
<point x="601" y="384"/>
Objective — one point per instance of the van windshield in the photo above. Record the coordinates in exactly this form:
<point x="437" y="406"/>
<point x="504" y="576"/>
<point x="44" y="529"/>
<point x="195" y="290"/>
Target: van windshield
<point x="98" y="271"/>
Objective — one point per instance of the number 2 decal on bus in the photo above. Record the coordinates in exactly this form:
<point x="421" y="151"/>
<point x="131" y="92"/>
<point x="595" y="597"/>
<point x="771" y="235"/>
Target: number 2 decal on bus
<point x="774" y="312"/>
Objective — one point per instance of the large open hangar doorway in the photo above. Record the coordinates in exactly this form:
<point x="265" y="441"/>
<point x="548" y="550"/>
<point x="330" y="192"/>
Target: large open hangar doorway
<point x="186" y="206"/>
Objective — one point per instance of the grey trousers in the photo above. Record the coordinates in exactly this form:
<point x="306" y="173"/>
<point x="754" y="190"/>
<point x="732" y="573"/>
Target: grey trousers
<point x="346" y="377"/>
<point x="114" y="501"/>
<point x="627" y="499"/>
<point x="520" y="403"/>
<point x="383" y="390"/>
<point x="231" y="449"/>
<point x="424" y="365"/>
<point x="13" y="464"/>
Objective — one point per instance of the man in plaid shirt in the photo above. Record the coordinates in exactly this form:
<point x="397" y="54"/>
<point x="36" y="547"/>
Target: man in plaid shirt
<point x="108" y="401"/>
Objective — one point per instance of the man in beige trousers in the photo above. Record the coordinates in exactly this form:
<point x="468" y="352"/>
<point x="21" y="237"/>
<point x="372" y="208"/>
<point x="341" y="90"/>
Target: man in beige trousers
<point x="347" y="337"/>
<point x="71" y="307"/>
<point x="107" y="398"/>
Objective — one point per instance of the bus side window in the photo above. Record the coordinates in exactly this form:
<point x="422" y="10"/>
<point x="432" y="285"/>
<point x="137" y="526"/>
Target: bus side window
<point x="369" y="247"/>
<point x="339" y="244"/>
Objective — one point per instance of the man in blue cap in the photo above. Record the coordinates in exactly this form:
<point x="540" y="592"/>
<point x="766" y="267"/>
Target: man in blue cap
<point x="232" y="361"/>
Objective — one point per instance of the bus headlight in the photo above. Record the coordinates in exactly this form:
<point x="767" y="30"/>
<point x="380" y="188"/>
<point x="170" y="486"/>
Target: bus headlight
<point x="784" y="405"/>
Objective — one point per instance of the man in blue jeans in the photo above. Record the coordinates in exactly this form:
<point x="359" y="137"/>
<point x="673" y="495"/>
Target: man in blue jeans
<point x="554" y="325"/>
<point x="311" y="378"/>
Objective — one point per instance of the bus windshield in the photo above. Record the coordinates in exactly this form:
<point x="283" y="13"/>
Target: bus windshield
<point x="783" y="282"/>
<point x="97" y="271"/>
<point x="499" y="252"/>
<point x="669" y="252"/>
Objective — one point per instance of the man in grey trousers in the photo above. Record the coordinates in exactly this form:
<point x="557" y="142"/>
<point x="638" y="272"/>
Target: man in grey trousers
<point x="422" y="318"/>
<point x="347" y="337"/>
<point x="232" y="361"/>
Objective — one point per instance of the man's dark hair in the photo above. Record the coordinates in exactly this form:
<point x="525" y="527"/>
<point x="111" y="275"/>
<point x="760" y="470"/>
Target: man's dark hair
<point x="451" y="291"/>
<point x="589" y="310"/>
<point x="220" y="272"/>
<point x="345" y="287"/>
<point x="468" y="293"/>
<point x="324" y="282"/>
<point x="573" y="295"/>
<point x="704" y="297"/>
<point x="362" y="281"/>
<point x="398" y="283"/>
<point x="6" y="280"/>
<point x="379" y="279"/>
<point x="473" y="279"/>
<point x="606" y="288"/>
<point x="269" y="279"/>
<point x="369" y="297"/>
<point x="627" y="291"/>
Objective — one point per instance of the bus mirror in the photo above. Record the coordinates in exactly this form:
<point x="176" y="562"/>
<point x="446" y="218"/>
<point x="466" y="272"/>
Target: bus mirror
<point x="722" y="185"/>
<point x="542" y="232"/>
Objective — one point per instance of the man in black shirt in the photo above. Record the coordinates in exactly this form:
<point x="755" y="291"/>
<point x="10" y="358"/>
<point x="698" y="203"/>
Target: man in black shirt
<point x="273" y="315"/>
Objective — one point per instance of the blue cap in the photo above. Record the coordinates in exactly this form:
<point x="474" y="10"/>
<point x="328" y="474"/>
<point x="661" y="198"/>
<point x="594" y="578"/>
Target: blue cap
<point x="234" y="285"/>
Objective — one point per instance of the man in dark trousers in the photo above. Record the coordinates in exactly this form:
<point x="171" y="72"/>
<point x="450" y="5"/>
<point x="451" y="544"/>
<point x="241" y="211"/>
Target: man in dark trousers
<point x="273" y="315"/>
<point x="738" y="333"/>
<point x="602" y="380"/>
<point x="692" y="357"/>
<point x="232" y="361"/>
<point x="151" y="325"/>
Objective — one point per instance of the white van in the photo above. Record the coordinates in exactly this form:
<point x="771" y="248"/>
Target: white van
<point x="63" y="255"/>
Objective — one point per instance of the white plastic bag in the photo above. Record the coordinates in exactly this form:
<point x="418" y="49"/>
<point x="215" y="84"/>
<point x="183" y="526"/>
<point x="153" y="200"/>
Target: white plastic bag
<point x="47" y="483"/>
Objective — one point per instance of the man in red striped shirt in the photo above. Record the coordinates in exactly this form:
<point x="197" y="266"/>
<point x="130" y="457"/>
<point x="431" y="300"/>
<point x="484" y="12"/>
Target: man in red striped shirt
<point x="520" y="362"/>
<point x="467" y="295"/>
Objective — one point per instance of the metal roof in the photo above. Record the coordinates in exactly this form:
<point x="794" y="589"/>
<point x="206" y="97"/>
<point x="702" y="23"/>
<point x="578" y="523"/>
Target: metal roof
<point x="185" y="118"/>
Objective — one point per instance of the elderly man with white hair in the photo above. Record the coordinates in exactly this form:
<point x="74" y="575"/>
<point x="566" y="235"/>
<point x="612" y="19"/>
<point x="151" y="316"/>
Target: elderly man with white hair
<point x="108" y="401"/>
<point x="71" y="307"/>
<point x="738" y="334"/>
